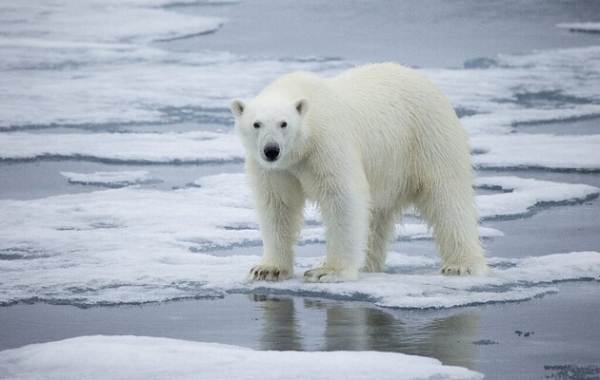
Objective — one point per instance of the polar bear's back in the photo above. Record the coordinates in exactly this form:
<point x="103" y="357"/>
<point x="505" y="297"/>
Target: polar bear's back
<point x="398" y="115"/>
<point x="403" y="126"/>
<point x="388" y="88"/>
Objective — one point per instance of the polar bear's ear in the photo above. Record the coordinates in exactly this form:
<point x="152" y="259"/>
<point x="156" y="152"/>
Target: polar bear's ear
<point x="301" y="106"/>
<point x="237" y="107"/>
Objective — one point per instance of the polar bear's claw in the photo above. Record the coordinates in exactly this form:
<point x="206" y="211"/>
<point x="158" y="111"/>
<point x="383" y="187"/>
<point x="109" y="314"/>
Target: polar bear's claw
<point x="466" y="270"/>
<point x="323" y="274"/>
<point x="267" y="273"/>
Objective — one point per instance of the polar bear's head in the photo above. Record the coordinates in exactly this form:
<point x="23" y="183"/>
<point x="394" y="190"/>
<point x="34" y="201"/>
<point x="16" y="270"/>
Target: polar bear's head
<point x="272" y="129"/>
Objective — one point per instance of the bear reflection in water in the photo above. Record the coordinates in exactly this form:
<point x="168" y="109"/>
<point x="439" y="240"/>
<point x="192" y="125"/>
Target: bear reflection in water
<point x="444" y="335"/>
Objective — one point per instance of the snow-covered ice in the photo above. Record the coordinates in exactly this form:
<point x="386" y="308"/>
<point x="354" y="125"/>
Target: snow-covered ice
<point x="59" y="72"/>
<point x="78" y="63"/>
<point x="128" y="357"/>
<point x="522" y="195"/>
<point x="574" y="153"/>
<point x="161" y="148"/>
<point x="135" y="245"/>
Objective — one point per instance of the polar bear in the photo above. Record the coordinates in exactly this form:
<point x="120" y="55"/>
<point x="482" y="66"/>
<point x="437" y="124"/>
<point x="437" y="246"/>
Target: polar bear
<point x="363" y="146"/>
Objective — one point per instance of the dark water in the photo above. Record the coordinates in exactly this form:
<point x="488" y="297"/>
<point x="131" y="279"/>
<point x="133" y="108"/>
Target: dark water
<point x="504" y="341"/>
<point x="432" y="33"/>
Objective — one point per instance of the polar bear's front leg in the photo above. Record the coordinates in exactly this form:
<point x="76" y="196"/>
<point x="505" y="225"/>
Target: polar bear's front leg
<point x="346" y="219"/>
<point x="279" y="202"/>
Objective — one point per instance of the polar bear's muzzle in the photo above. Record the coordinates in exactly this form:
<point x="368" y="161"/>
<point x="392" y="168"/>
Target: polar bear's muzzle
<point x="271" y="151"/>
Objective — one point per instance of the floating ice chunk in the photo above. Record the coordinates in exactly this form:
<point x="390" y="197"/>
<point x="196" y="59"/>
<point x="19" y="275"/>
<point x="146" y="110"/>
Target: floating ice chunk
<point x="588" y="27"/>
<point x="109" y="179"/>
<point x="564" y="153"/>
<point x="190" y="147"/>
<point x="127" y="357"/>
<point x="522" y="195"/>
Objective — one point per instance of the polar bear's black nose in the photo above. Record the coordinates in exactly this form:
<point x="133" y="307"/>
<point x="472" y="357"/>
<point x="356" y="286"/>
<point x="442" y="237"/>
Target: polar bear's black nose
<point x="271" y="151"/>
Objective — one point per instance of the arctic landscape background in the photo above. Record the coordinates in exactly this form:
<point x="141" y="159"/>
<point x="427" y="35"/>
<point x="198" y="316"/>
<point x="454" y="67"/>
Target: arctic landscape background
<point x="126" y="226"/>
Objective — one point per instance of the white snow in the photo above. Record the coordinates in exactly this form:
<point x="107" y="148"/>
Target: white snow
<point x="128" y="357"/>
<point x="134" y="245"/>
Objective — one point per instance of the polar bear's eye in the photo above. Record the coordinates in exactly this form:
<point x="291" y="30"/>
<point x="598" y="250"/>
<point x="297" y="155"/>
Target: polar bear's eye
<point x="256" y="125"/>
<point x="283" y="124"/>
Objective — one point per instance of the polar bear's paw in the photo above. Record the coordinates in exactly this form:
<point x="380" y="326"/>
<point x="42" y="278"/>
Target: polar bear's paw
<point x="466" y="270"/>
<point x="269" y="273"/>
<point x="325" y="274"/>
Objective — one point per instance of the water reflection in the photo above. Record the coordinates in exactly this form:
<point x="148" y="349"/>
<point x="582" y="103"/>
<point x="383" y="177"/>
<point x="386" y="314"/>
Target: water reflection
<point x="329" y="325"/>
<point x="280" y="329"/>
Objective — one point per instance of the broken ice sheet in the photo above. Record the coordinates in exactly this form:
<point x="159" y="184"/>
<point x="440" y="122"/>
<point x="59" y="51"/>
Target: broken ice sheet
<point x="134" y="245"/>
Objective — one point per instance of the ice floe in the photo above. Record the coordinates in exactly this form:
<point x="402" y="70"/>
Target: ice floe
<point x="161" y="148"/>
<point x="521" y="195"/>
<point x="120" y="357"/>
<point x="109" y="179"/>
<point x="134" y="245"/>
<point x="522" y="151"/>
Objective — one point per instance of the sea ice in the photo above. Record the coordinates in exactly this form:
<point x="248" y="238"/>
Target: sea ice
<point x="565" y="153"/>
<point x="101" y="21"/>
<point x="134" y="245"/>
<point x="128" y="357"/>
<point x="521" y="195"/>
<point x="188" y="147"/>
<point x="62" y="73"/>
<point x="84" y="65"/>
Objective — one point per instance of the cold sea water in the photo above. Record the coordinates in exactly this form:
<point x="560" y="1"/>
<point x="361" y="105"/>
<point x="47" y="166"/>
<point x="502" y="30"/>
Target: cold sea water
<point x="124" y="211"/>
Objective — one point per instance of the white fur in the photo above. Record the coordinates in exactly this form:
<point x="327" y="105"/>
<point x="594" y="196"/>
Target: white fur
<point x="364" y="146"/>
